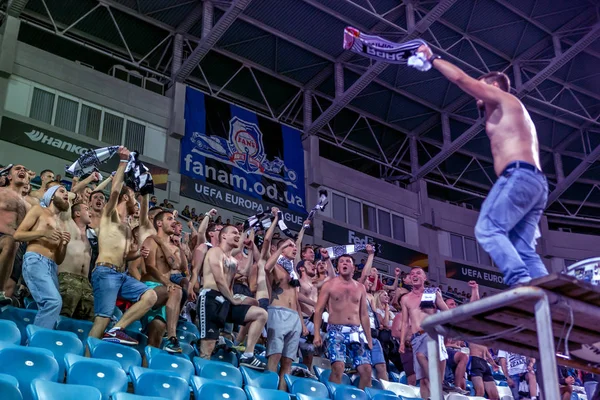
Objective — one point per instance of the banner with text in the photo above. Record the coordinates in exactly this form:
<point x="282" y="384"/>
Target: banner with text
<point x="389" y="251"/>
<point x="228" y="149"/>
<point x="67" y="148"/>
<point x="466" y="273"/>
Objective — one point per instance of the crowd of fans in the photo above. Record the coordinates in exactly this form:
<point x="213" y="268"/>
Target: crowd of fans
<point x="79" y="253"/>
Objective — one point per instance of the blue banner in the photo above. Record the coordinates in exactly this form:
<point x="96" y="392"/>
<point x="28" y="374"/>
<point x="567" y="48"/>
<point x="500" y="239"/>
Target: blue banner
<point x="238" y="150"/>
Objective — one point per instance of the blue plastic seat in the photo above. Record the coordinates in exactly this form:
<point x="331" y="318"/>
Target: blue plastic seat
<point x="198" y="382"/>
<point x="135" y="326"/>
<point x="309" y="387"/>
<point x="324" y="377"/>
<point x="79" y="327"/>
<point x="186" y="336"/>
<point x="125" y="356"/>
<point x="226" y="356"/>
<point x="386" y="396"/>
<point x="372" y="392"/>
<point x="117" y="314"/>
<point x="188" y="327"/>
<point x="375" y="384"/>
<point x="140" y="337"/>
<point x="208" y="389"/>
<point x="161" y="383"/>
<point x="105" y="375"/>
<point x="9" y="332"/>
<point x="217" y="370"/>
<point x="178" y="365"/>
<point x="255" y="393"/>
<point x="20" y="317"/>
<point x="46" y="390"/>
<point x="130" y="396"/>
<point x="9" y="387"/>
<point x="345" y="392"/>
<point x="136" y="372"/>
<point x="151" y="351"/>
<point x="261" y="379"/>
<point x="27" y="364"/>
<point x="58" y="342"/>
<point x="301" y="396"/>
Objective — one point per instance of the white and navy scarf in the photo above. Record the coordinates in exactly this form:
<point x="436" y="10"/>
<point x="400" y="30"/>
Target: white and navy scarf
<point x="288" y="265"/>
<point x="137" y="175"/>
<point x="336" y="251"/>
<point x="90" y="160"/>
<point x="319" y="207"/>
<point x="381" y="49"/>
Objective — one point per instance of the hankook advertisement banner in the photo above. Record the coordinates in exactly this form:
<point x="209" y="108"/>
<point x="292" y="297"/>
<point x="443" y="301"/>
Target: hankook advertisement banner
<point x="238" y="160"/>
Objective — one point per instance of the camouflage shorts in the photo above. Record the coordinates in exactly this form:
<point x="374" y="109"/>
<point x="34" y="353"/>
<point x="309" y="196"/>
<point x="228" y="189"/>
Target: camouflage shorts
<point x="77" y="296"/>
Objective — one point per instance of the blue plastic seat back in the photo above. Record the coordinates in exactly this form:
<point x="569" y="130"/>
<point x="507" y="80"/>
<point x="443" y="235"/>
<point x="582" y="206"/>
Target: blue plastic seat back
<point x="198" y="382"/>
<point x="126" y="356"/>
<point x="226" y="356"/>
<point x="27" y="364"/>
<point x="221" y="371"/>
<point x="186" y="336"/>
<point x="255" y="393"/>
<point x="309" y="387"/>
<point x="136" y="326"/>
<point x="9" y="387"/>
<point x="136" y="372"/>
<point x="188" y="327"/>
<point x="385" y="396"/>
<point x="131" y="396"/>
<point x="140" y="337"/>
<point x="20" y="317"/>
<point x="216" y="391"/>
<point x="58" y="342"/>
<point x="9" y="332"/>
<point x="375" y="384"/>
<point x="159" y="383"/>
<point x="344" y="392"/>
<point x="46" y="390"/>
<point x="261" y="379"/>
<point x="324" y="377"/>
<point x="301" y="396"/>
<point x="105" y="375"/>
<point x="372" y="392"/>
<point x="151" y="351"/>
<point x="78" y="327"/>
<point x="178" y="365"/>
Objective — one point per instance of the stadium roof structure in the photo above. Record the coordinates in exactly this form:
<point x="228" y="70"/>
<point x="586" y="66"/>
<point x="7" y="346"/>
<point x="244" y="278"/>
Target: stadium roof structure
<point x="284" y="59"/>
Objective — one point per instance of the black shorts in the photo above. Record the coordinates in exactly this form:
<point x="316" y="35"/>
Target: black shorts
<point x="17" y="270"/>
<point x="214" y="310"/>
<point x="451" y="353"/>
<point x="480" y="368"/>
<point x="240" y="288"/>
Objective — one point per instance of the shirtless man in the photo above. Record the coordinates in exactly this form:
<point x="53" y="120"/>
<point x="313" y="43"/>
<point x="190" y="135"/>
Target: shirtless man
<point x="416" y="306"/>
<point x="210" y="239"/>
<point x="457" y="358"/>
<point x="108" y="277"/>
<point x="74" y="285"/>
<point x="13" y="207"/>
<point x="217" y="304"/>
<point x="46" y="176"/>
<point x="307" y="297"/>
<point x="163" y="258"/>
<point x="47" y="245"/>
<point x="179" y="272"/>
<point x="96" y="203"/>
<point x="508" y="221"/>
<point x="348" y="326"/>
<point x="285" y="323"/>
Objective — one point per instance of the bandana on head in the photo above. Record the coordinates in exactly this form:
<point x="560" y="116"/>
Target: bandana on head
<point x="48" y="196"/>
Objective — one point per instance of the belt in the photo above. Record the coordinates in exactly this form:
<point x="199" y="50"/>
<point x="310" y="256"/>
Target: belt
<point x="417" y="334"/>
<point x="107" y="265"/>
<point x="522" y="165"/>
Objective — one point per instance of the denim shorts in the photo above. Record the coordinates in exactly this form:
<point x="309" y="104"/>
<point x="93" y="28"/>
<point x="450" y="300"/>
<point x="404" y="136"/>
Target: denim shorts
<point x="377" y="353"/>
<point x="177" y="278"/>
<point x="109" y="284"/>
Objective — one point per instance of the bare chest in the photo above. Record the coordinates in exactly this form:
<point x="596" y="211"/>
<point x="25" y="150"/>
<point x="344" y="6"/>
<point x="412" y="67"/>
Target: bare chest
<point x="344" y="294"/>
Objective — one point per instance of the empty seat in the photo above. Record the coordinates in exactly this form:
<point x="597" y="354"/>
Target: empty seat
<point x="225" y="356"/>
<point x="129" y="396"/>
<point x="186" y="336"/>
<point x="9" y="332"/>
<point x="206" y="389"/>
<point x="126" y="356"/>
<point x="161" y="383"/>
<point x="309" y="387"/>
<point x="105" y="375"/>
<point x="188" y="327"/>
<point x="387" y="396"/>
<point x="178" y="365"/>
<point x="372" y="392"/>
<point x="255" y="393"/>
<point x="261" y="379"/>
<point x="217" y="370"/>
<point x="9" y="387"/>
<point x="401" y="389"/>
<point x="78" y="327"/>
<point x="345" y="392"/>
<point x="504" y="391"/>
<point x="135" y="326"/>
<point x="20" y="317"/>
<point x="46" y="390"/>
<point x="58" y="342"/>
<point x="301" y="396"/>
<point x="27" y="364"/>
<point x="456" y="396"/>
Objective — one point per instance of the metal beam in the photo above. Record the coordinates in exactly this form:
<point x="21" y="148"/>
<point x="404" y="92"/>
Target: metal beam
<point x="470" y="133"/>
<point x="207" y="42"/>
<point x="190" y="20"/>
<point x="16" y="7"/>
<point x="373" y="71"/>
<point x="563" y="185"/>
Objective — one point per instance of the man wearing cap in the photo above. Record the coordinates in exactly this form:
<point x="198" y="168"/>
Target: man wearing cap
<point x="47" y="243"/>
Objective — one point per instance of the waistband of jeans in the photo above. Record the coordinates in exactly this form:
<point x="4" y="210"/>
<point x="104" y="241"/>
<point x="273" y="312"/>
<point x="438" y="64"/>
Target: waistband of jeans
<point x="520" y="165"/>
<point x="108" y="265"/>
<point x="39" y="255"/>
<point x="417" y="334"/>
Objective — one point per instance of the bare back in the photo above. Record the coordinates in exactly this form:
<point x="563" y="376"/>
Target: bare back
<point x="282" y="294"/>
<point x="344" y="303"/>
<point x="512" y="134"/>
<point x="79" y="252"/>
<point x="114" y="239"/>
<point x="228" y="264"/>
<point x="12" y="210"/>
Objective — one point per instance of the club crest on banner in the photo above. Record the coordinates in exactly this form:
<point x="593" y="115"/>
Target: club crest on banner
<point x="243" y="150"/>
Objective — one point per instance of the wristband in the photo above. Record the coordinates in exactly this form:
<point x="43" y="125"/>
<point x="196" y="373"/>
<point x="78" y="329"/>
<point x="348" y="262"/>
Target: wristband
<point x="433" y="58"/>
<point x="124" y="161"/>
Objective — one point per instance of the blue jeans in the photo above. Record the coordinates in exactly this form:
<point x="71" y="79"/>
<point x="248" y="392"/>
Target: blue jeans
<point x="108" y="284"/>
<point x="41" y="277"/>
<point x="508" y="222"/>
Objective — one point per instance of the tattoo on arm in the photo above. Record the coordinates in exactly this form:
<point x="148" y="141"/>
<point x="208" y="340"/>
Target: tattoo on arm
<point x="276" y="291"/>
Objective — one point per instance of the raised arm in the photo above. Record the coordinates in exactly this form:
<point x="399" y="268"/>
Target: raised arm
<point x="266" y="248"/>
<point x="273" y="259"/>
<point x="394" y="286"/>
<point x="81" y="185"/>
<point x="102" y="185"/>
<point x="474" y="291"/>
<point x="204" y="225"/>
<point x="439" y="301"/>
<point x="368" y="265"/>
<point x="117" y="185"/>
<point x="299" y="242"/>
<point x="245" y="264"/>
